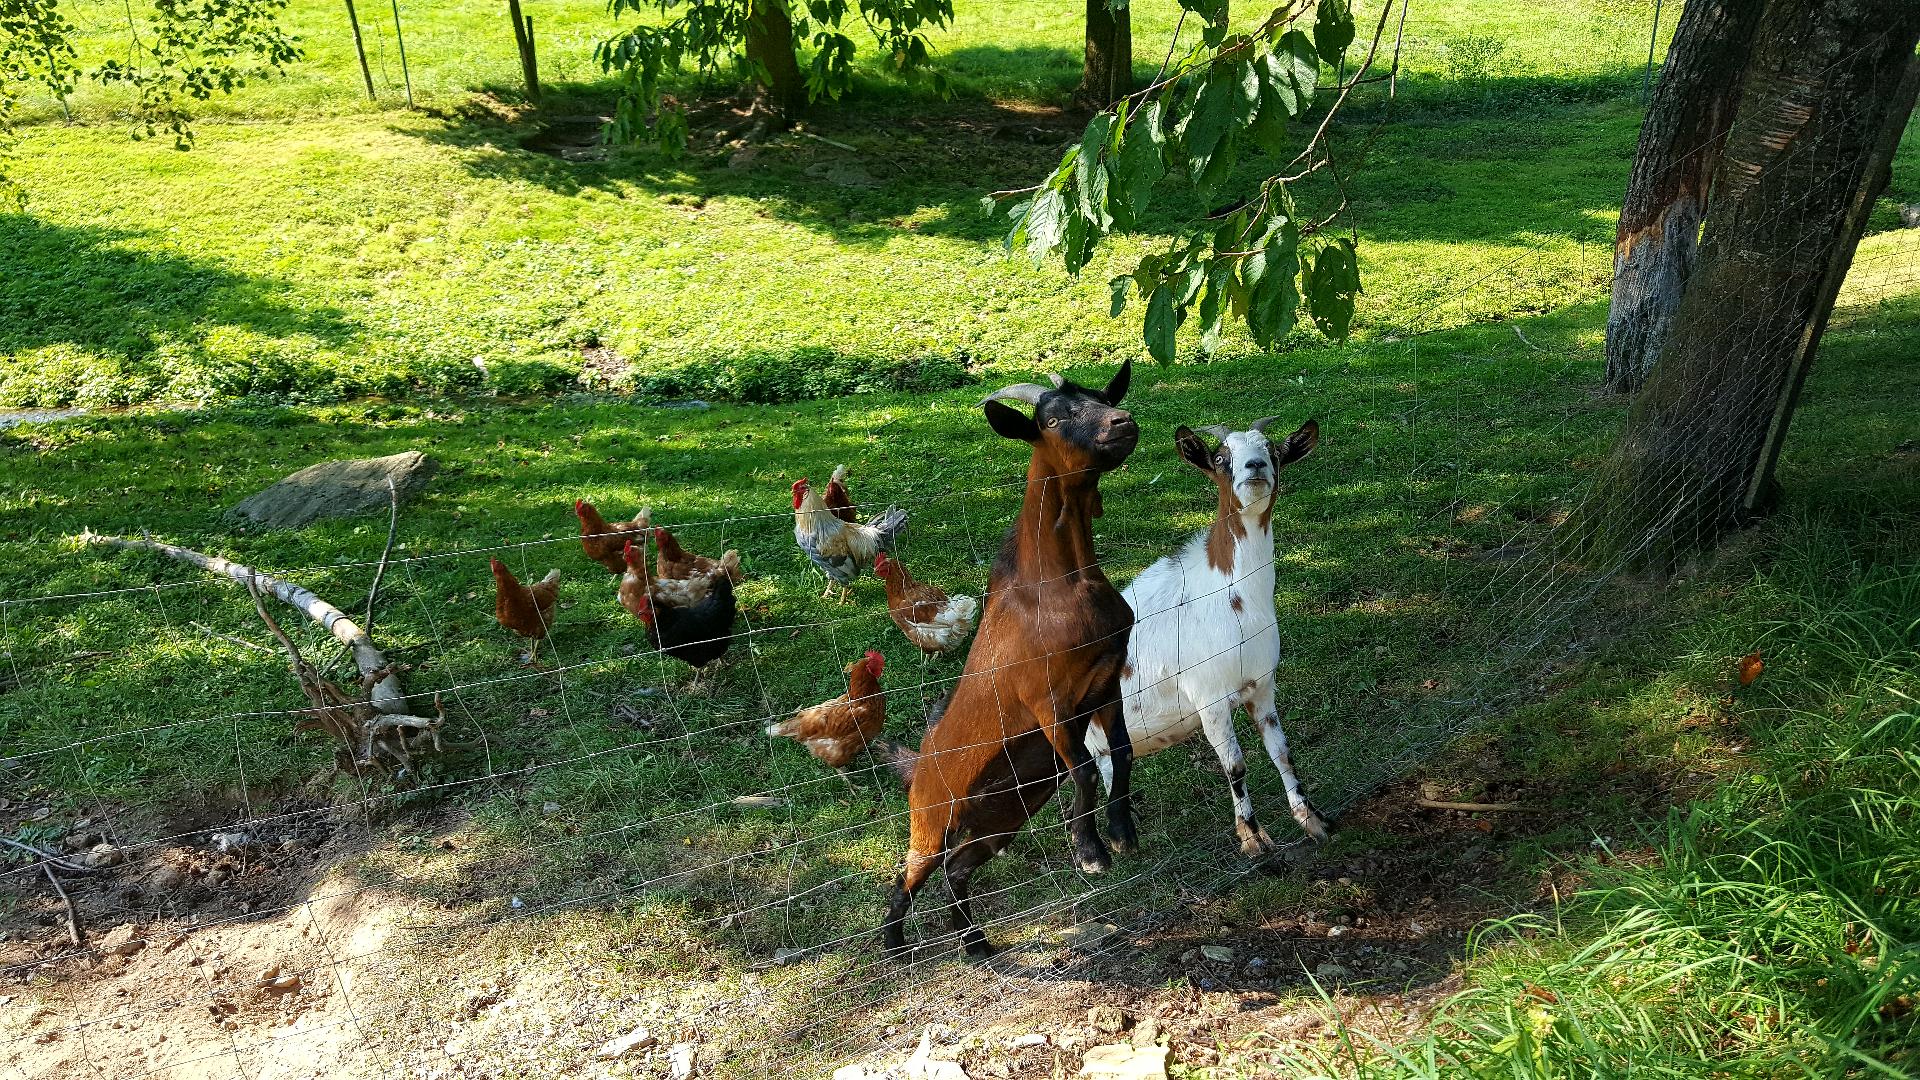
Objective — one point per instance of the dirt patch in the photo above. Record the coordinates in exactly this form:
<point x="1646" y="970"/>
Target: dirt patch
<point x="570" y="138"/>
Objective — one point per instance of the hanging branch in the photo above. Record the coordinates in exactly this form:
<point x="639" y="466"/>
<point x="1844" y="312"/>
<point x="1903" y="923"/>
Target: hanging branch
<point x="393" y="526"/>
<point x="384" y="692"/>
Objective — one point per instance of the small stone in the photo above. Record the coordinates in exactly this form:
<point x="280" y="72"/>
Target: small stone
<point x="1217" y="953"/>
<point x="783" y="957"/>
<point x="1031" y="1038"/>
<point x="1336" y="931"/>
<point x="1121" y="1061"/>
<point x="104" y="855"/>
<point x="122" y="940"/>
<point x="40" y="813"/>
<point x="1332" y="972"/>
<point x="1146" y="1033"/>
<point x="271" y="973"/>
<point x="550" y="808"/>
<point x="230" y="841"/>
<point x="638" y="1039"/>
<point x="1108" y="1020"/>
<point x="1086" y="935"/>
<point x="286" y="984"/>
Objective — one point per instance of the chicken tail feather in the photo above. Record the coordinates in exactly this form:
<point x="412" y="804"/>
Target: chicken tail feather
<point x="890" y="525"/>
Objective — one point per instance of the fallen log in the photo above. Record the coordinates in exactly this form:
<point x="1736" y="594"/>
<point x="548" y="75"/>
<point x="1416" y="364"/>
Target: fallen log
<point x="385" y="695"/>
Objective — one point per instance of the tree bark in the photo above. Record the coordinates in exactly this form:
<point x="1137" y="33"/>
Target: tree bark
<point x="1680" y="145"/>
<point x="1108" y="73"/>
<point x="769" y="47"/>
<point x="1804" y="159"/>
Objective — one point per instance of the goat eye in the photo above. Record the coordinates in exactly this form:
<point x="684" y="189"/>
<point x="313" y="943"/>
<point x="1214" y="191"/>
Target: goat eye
<point x="1053" y="421"/>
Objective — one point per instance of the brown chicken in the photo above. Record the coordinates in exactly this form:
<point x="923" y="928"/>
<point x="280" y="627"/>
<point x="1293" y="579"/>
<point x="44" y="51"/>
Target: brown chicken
<point x="838" y="504"/>
<point x="838" y="731"/>
<point x="602" y="541"/>
<point x="675" y="563"/>
<point x="526" y="610"/>
<point x="930" y="619"/>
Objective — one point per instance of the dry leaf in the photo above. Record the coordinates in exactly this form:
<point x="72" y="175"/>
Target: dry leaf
<point x="1750" y="667"/>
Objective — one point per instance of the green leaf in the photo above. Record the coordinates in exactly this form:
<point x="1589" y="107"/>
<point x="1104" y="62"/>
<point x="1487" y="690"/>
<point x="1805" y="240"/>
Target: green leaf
<point x="1136" y="169"/>
<point x="1213" y="303"/>
<point x="1046" y="224"/>
<point x="1074" y="245"/>
<point x="1331" y="286"/>
<point x="1219" y="166"/>
<point x="1212" y="114"/>
<point x="1272" y="298"/>
<point x="1299" y="67"/>
<point x="1118" y="287"/>
<point x="1091" y="175"/>
<point x="1332" y="30"/>
<point x="1163" y="318"/>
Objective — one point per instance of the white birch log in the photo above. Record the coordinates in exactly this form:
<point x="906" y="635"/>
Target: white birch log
<point x="386" y="697"/>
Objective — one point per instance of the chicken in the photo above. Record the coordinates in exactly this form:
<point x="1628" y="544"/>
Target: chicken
<point x="603" y="542"/>
<point x="841" y="549"/>
<point x="838" y="504"/>
<point x="929" y="618"/>
<point x="689" y="619"/>
<point x="839" y="730"/>
<point x="526" y="610"/>
<point x="674" y="562"/>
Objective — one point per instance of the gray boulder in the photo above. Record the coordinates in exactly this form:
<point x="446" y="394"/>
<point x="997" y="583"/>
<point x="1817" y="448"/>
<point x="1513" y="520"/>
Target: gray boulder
<point x="336" y="489"/>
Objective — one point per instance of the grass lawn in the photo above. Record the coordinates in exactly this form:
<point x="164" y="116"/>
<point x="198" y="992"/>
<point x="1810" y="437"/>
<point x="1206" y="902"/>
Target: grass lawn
<point x="326" y="278"/>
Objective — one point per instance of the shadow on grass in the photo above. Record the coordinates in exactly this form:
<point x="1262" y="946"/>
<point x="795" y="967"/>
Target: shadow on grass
<point x="891" y="157"/>
<point x="92" y="289"/>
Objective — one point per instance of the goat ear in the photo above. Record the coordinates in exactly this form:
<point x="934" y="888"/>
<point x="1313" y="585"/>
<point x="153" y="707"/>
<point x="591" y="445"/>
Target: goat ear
<point x="1298" y="445"/>
<point x="1193" y="448"/>
<point x="1117" y="389"/>
<point x="1011" y="422"/>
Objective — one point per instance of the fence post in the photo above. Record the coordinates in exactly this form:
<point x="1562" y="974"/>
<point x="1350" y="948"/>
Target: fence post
<point x="360" y="47"/>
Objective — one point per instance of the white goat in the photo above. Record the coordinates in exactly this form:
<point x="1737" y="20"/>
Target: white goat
<point x="1205" y="638"/>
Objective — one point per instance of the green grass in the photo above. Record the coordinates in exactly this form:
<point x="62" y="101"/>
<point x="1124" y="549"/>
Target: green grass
<point x="333" y="279"/>
<point x="336" y="251"/>
<point x="1768" y="929"/>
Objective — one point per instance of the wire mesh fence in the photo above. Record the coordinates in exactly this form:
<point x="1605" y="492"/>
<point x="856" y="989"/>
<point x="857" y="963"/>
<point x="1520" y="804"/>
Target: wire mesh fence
<point x="608" y="802"/>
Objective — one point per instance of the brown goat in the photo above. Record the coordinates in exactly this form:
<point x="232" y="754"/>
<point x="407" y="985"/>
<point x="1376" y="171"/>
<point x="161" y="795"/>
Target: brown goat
<point x="1044" y="665"/>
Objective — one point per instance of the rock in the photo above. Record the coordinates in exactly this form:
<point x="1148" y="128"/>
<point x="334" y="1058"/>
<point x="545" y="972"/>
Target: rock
<point x="104" y="855"/>
<point x="550" y="808"/>
<point x="758" y="802"/>
<point x="1257" y="966"/>
<point x="1121" y="1061"/>
<point x="680" y="1061"/>
<point x="844" y="173"/>
<point x="1146" y="1033"/>
<point x="122" y="940"/>
<point x="1331" y="972"/>
<point x="336" y="489"/>
<point x="1108" y="1020"/>
<point x="855" y="1072"/>
<point x="1032" y="1038"/>
<point x="286" y="984"/>
<point x="637" y="1039"/>
<point x="230" y="841"/>
<point x="783" y="957"/>
<point x="924" y="1066"/>
<point x="1910" y="215"/>
<point x="1336" y="931"/>
<point x="1086" y="935"/>
<point x="1218" y="953"/>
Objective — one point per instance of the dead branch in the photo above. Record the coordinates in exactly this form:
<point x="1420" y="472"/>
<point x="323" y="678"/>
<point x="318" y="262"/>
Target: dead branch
<point x="368" y="738"/>
<point x="393" y="528"/>
<point x="386" y="697"/>
<point x="47" y="857"/>
<point x="1475" y="807"/>
<point x="73" y="916"/>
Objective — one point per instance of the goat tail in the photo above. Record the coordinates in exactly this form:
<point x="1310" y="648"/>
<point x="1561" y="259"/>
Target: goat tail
<point x="890" y="525"/>
<point x="897" y="756"/>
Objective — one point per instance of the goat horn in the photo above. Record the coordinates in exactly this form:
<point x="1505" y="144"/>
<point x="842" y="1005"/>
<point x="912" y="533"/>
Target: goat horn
<point x="1260" y="425"/>
<point x="1058" y="382"/>
<point x="1026" y="391"/>
<point x="1218" y="431"/>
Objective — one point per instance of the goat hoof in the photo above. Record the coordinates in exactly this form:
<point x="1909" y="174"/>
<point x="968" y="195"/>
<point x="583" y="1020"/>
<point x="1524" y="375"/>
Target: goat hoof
<point x="1096" y="861"/>
<point x="1257" y="843"/>
<point x="1313" y="823"/>
<point x="981" y="950"/>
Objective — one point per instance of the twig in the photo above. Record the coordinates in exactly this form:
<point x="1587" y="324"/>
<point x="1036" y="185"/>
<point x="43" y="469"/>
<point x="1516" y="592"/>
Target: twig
<point x="47" y="857"/>
<point x="212" y="633"/>
<point x="73" y="916"/>
<point x="1476" y="807"/>
<point x="393" y="526"/>
<point x="829" y="142"/>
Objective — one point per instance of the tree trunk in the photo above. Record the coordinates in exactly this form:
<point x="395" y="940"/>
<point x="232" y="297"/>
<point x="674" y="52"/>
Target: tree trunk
<point x="1680" y="143"/>
<point x="1108" y="75"/>
<point x="1830" y="85"/>
<point x="782" y="89"/>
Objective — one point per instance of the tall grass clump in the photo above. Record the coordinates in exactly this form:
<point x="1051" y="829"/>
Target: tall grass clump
<point x="1771" y="929"/>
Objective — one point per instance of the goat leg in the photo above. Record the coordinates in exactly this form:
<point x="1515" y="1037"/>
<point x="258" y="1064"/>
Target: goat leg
<point x="1117" y="770"/>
